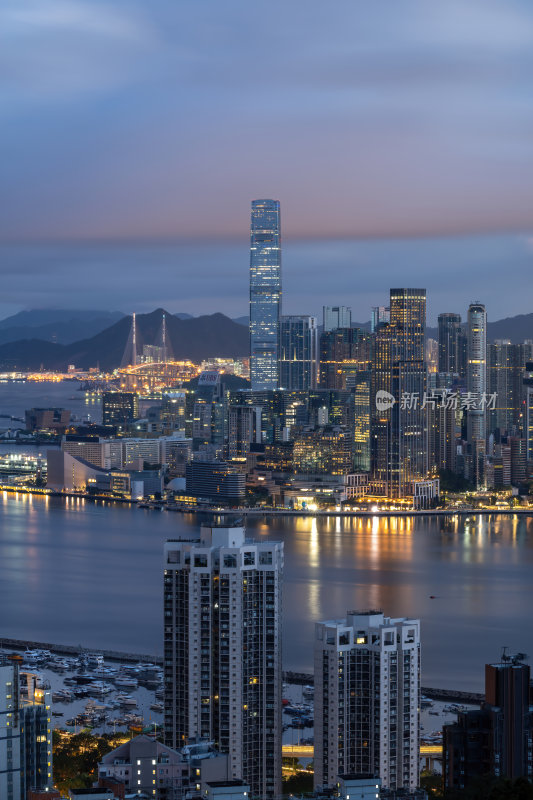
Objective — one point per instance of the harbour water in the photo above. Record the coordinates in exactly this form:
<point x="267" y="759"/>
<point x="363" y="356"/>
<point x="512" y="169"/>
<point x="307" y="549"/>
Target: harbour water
<point x="75" y="571"/>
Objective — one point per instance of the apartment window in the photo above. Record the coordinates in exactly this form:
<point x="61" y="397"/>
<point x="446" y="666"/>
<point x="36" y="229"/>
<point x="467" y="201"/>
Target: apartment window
<point x="200" y="560"/>
<point x="265" y="558"/>
<point x="249" y="558"/>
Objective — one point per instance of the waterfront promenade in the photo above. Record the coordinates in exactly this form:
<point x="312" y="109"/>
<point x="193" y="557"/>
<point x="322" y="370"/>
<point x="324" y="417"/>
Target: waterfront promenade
<point x="263" y="511"/>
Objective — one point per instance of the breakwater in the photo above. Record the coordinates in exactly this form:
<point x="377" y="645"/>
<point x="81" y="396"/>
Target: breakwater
<point x="297" y="678"/>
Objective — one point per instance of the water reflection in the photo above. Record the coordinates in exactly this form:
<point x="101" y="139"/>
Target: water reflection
<point x="74" y="571"/>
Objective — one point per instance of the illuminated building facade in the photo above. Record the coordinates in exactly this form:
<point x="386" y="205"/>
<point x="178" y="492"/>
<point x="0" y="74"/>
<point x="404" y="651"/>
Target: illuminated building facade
<point x="399" y="434"/>
<point x="362" y="394"/>
<point x="298" y="342"/>
<point x="367" y="699"/>
<point x="327" y="450"/>
<point x="265" y="294"/>
<point x="477" y="370"/>
<point x="343" y="352"/>
<point x="223" y="679"/>
<point x="119" y="409"/>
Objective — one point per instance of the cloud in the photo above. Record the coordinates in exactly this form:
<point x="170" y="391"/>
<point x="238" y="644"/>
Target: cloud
<point x="164" y="119"/>
<point x="54" y="49"/>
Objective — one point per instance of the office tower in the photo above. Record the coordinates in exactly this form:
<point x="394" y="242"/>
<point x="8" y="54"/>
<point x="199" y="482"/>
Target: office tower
<point x="476" y="378"/>
<point x="449" y="326"/>
<point x="399" y="428"/>
<point x="25" y="733"/>
<point x="119" y="409"/>
<point x="336" y="317"/>
<point x="343" y="352"/>
<point x="209" y="412"/>
<point x="367" y="699"/>
<point x="408" y="318"/>
<point x="496" y="739"/>
<point x="265" y="294"/>
<point x="432" y="355"/>
<point x="298" y="345"/>
<point x="327" y="449"/>
<point x="362" y="409"/>
<point x="380" y="315"/>
<point x="381" y="401"/>
<point x="244" y="429"/>
<point x="223" y="681"/>
<point x="504" y="373"/>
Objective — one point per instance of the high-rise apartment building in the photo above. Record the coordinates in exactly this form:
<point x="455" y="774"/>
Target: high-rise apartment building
<point x="25" y="733"/>
<point x="367" y="699"/>
<point x="449" y="326"/>
<point x="298" y="345"/>
<point x="476" y="377"/>
<point x="336" y="317"/>
<point x="496" y="739"/>
<point x="222" y="628"/>
<point x="265" y="294"/>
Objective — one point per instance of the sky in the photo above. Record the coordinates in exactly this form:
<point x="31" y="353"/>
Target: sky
<point x="398" y="136"/>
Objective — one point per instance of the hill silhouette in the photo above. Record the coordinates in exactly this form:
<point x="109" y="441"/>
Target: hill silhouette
<point x="196" y="338"/>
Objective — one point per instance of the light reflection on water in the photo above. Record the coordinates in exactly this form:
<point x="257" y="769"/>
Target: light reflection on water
<point x="75" y="571"/>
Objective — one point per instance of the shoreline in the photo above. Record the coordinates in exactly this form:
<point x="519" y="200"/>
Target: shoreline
<point x="274" y="512"/>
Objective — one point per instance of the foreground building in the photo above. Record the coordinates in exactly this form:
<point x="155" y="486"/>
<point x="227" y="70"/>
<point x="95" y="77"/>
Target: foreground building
<point x="222" y="605"/>
<point x="25" y="733"/>
<point x="497" y="738"/>
<point x="367" y="699"/>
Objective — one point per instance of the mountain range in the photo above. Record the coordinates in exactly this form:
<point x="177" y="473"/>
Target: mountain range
<point x="194" y="338"/>
<point x="54" y="339"/>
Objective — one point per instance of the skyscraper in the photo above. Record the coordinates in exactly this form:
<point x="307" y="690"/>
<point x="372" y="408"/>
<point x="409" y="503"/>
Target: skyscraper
<point x="336" y="317"/>
<point x="399" y="431"/>
<point x="408" y="318"/>
<point x="449" y="330"/>
<point x="343" y="353"/>
<point x="265" y="294"/>
<point x="298" y="353"/>
<point x="477" y="371"/>
<point x="222" y="605"/>
<point x="367" y="699"/>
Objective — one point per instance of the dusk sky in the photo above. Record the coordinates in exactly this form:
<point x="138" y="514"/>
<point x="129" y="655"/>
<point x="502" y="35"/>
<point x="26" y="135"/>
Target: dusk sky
<point x="397" y="135"/>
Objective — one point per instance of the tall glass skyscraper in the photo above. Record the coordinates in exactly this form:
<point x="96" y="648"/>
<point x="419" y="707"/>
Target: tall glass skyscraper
<point x="265" y="294"/>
